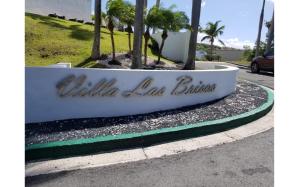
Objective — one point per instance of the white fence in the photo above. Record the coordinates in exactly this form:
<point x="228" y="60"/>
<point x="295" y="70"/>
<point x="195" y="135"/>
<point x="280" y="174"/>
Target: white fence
<point x="53" y="93"/>
<point x="176" y="45"/>
<point x="80" y="9"/>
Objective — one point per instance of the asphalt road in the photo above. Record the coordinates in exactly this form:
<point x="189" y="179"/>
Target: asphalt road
<point x="248" y="162"/>
<point x="263" y="78"/>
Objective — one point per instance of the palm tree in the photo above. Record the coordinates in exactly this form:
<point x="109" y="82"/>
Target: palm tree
<point x="96" y="44"/>
<point x="196" y="10"/>
<point x="138" y="34"/>
<point x="127" y="17"/>
<point x="170" y="21"/>
<point x="152" y="19"/>
<point x="145" y="11"/>
<point x="157" y="5"/>
<point x="259" y="28"/>
<point x="212" y="32"/>
<point x="114" y="9"/>
<point x="270" y="35"/>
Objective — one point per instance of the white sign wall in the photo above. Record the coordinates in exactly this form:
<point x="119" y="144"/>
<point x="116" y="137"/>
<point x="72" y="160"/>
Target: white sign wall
<point x="53" y="93"/>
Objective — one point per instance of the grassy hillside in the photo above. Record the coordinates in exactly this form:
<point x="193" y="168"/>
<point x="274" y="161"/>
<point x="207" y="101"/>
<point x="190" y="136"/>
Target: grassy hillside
<point x="50" y="40"/>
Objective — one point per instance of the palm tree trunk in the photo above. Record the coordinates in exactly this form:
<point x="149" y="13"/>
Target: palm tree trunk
<point x="196" y="10"/>
<point x="259" y="29"/>
<point x="160" y="50"/>
<point x="211" y="50"/>
<point x="164" y="36"/>
<point x="157" y="5"/>
<point x="96" y="44"/>
<point x="138" y="35"/>
<point x="129" y="42"/>
<point x="145" y="7"/>
<point x="270" y="35"/>
<point x="113" y="45"/>
<point x="147" y="37"/>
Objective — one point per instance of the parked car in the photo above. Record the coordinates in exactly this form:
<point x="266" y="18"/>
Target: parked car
<point x="264" y="63"/>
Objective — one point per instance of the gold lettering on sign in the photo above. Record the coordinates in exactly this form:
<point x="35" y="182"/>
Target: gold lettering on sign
<point x="185" y="87"/>
<point x="144" y="89"/>
<point x="73" y="86"/>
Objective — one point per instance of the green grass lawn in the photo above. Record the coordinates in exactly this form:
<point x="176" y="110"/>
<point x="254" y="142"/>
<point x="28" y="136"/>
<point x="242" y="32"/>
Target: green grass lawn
<point x="50" y="40"/>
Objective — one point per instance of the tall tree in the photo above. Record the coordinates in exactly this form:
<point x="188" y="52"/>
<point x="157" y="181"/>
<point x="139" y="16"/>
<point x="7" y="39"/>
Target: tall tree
<point x="196" y="10"/>
<point x="114" y="9"/>
<point x="96" y="44"/>
<point x="127" y="17"/>
<point x="261" y="18"/>
<point x="270" y="37"/>
<point x="145" y="11"/>
<point x="152" y="20"/>
<point x="138" y="35"/>
<point x="212" y="32"/>
<point x="157" y="5"/>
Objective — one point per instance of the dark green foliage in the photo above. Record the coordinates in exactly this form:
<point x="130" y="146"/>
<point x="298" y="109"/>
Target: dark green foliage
<point x="249" y="53"/>
<point x="213" y="57"/>
<point x="206" y="47"/>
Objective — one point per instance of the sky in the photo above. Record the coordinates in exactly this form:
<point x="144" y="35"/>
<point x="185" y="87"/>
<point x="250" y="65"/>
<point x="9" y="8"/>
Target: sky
<point x="240" y="17"/>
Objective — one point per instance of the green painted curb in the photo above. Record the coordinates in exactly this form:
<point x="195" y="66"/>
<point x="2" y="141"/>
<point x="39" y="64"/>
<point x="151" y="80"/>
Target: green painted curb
<point x="68" y="148"/>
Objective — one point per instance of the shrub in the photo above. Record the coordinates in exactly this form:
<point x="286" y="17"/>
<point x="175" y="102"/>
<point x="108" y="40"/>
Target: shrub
<point x="249" y="53"/>
<point x="213" y="57"/>
<point x="61" y="17"/>
<point x="89" y="23"/>
<point x="52" y="15"/>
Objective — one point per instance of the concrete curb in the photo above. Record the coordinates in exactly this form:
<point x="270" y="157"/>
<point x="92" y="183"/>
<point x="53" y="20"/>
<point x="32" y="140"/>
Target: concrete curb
<point x="107" y="143"/>
<point x="156" y="151"/>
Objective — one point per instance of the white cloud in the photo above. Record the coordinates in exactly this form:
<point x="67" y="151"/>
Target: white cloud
<point x="236" y="43"/>
<point x="231" y="42"/>
<point x="271" y="1"/>
<point x="203" y="3"/>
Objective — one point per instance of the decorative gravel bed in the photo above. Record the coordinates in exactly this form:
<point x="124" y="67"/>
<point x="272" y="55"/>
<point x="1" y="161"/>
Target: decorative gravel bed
<point x="246" y="98"/>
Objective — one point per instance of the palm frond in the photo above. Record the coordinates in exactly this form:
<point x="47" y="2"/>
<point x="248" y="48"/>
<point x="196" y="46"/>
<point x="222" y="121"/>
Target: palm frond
<point x="217" y="22"/>
<point x="205" y="38"/>
<point x="220" y="30"/>
<point x="222" y="42"/>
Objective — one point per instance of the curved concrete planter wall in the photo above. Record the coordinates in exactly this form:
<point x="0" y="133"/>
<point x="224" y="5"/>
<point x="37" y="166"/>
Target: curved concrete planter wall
<point x="53" y="93"/>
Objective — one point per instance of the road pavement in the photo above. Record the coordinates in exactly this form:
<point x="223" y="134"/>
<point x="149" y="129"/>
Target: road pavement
<point x="263" y="78"/>
<point x="248" y="162"/>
